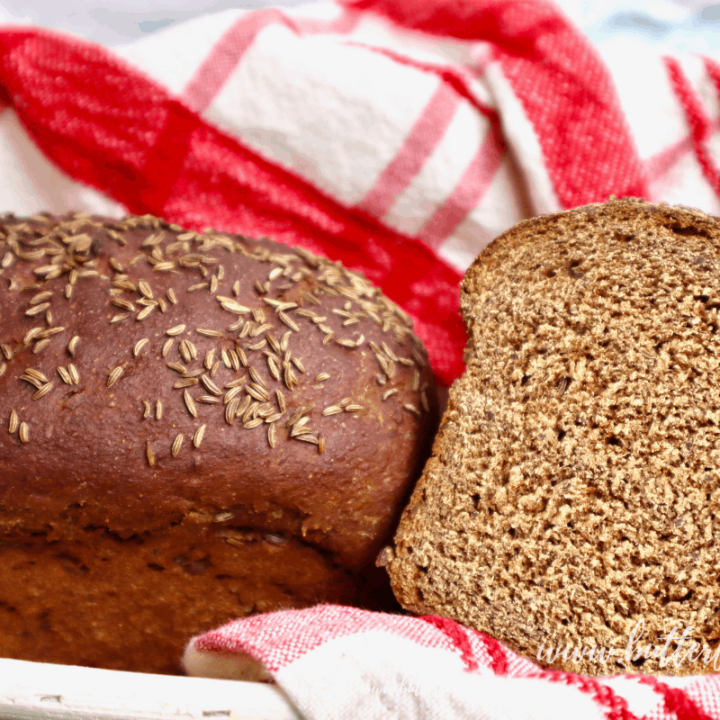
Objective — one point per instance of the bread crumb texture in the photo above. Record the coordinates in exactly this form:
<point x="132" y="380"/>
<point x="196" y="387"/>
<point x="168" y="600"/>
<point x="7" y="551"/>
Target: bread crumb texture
<point x="573" y="488"/>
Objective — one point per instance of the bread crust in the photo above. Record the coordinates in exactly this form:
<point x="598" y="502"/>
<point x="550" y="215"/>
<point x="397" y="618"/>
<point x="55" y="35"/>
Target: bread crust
<point x="104" y="432"/>
<point x="572" y="491"/>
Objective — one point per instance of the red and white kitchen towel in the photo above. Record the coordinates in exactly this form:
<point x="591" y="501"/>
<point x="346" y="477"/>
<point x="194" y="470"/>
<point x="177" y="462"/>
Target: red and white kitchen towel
<point x="397" y="136"/>
<point x="340" y="663"/>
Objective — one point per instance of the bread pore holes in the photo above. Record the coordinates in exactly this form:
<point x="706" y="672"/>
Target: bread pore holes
<point x="573" y="272"/>
<point x="688" y="231"/>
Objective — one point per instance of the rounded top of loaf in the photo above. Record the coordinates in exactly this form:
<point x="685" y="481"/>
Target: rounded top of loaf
<point x="618" y="213"/>
<point x="574" y="488"/>
<point x="151" y="375"/>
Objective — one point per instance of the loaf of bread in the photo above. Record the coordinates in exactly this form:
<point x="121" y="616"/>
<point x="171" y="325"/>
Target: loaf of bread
<point x="194" y="427"/>
<point x="573" y="495"/>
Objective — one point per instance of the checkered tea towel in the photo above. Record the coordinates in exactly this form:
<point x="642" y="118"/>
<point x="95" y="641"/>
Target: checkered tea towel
<point x="397" y="136"/>
<point x="340" y="663"/>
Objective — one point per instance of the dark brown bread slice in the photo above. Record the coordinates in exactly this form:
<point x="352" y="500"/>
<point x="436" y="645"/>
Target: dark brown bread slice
<point x="193" y="427"/>
<point x="574" y="485"/>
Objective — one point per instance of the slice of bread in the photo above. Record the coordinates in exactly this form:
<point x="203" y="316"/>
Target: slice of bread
<point x="573" y="496"/>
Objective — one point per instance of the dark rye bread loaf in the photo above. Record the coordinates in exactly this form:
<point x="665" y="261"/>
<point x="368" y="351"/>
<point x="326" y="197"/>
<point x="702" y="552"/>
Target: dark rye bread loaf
<point x="193" y="428"/>
<point x="574" y="486"/>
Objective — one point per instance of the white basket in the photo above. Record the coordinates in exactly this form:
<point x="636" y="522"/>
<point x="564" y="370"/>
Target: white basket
<point x="30" y="691"/>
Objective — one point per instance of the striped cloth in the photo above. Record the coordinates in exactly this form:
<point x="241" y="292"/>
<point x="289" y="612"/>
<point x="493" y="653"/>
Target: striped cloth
<point x="339" y="663"/>
<point x="396" y="136"/>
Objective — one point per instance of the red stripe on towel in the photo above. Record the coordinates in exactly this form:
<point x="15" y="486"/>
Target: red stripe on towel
<point x="697" y="119"/>
<point x="424" y="137"/>
<point x="228" y="51"/>
<point x="469" y="191"/>
<point x="457" y="635"/>
<point x="565" y="89"/>
<point x="677" y="701"/>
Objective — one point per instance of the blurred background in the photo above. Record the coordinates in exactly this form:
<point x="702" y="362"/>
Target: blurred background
<point x="685" y="25"/>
